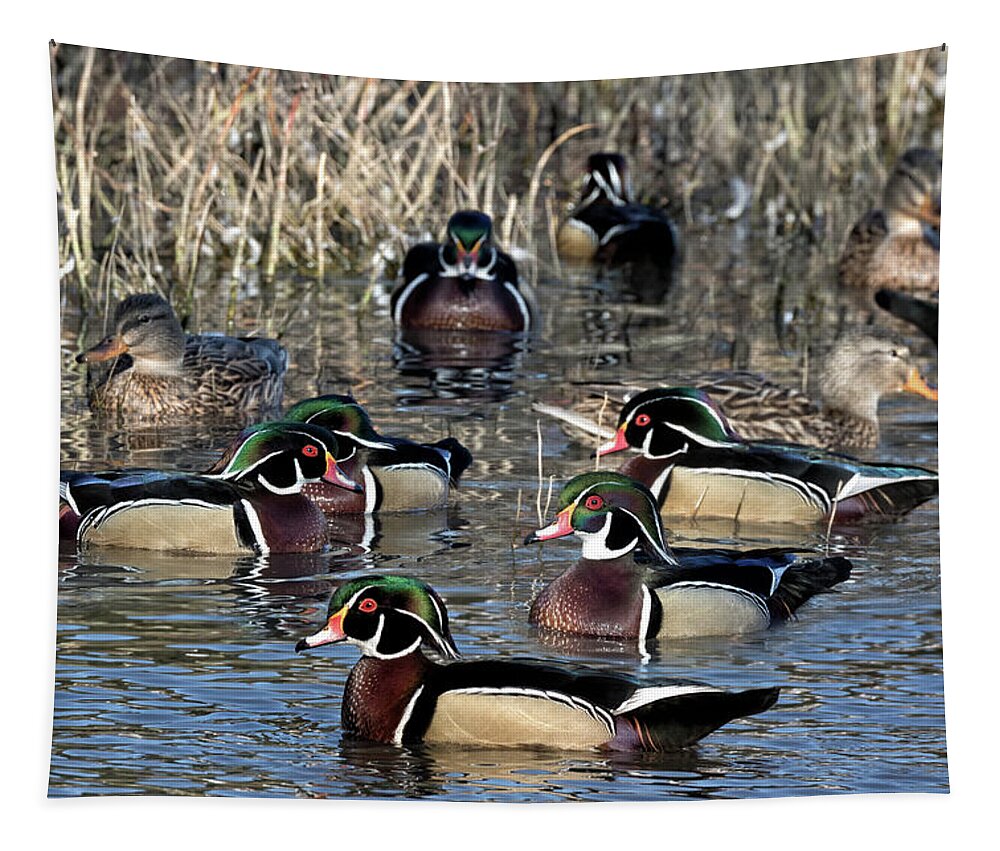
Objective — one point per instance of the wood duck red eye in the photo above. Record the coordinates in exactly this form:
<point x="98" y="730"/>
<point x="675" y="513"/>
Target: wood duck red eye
<point x="367" y="605"/>
<point x="594" y="503"/>
<point x="642" y="420"/>
<point x="310" y="451"/>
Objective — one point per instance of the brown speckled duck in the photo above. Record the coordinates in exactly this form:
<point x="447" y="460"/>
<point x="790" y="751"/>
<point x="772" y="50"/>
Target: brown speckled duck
<point x="859" y="370"/>
<point x="897" y="246"/>
<point x="157" y="370"/>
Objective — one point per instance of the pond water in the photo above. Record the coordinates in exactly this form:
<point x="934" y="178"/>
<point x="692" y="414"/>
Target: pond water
<point x="176" y="675"/>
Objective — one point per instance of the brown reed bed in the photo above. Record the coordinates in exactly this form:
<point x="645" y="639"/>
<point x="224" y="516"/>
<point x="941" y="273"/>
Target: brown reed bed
<point x="175" y="174"/>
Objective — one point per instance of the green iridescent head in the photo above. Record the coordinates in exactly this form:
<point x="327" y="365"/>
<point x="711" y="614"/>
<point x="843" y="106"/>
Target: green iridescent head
<point x="612" y="513"/>
<point x="387" y="617"/>
<point x="343" y="416"/>
<point x="282" y="457"/>
<point x="468" y="250"/>
<point x="665" y="422"/>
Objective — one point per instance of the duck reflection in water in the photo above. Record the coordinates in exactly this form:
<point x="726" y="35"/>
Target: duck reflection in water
<point x="459" y="364"/>
<point x="461" y="773"/>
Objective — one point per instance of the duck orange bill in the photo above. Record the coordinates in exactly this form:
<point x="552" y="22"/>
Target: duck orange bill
<point x="930" y="212"/>
<point x="559" y="529"/>
<point x="616" y="444"/>
<point x="331" y="633"/>
<point x="109" y="347"/>
<point x="915" y="383"/>
<point x="335" y="476"/>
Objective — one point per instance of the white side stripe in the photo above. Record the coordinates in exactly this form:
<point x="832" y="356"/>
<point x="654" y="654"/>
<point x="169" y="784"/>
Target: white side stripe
<point x="650" y="694"/>
<point x="521" y="304"/>
<point x="397" y="737"/>
<point x="405" y="294"/>
<point x="258" y="530"/>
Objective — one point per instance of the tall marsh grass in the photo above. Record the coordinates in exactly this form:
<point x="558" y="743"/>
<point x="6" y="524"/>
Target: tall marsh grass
<point x="173" y="173"/>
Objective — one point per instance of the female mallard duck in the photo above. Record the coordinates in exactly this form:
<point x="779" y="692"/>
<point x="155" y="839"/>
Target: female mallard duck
<point x="395" y="474"/>
<point x="609" y="229"/>
<point x="857" y="373"/>
<point x="254" y="502"/>
<point x="396" y="695"/>
<point x="609" y="593"/>
<point x="897" y="246"/>
<point x="159" y="371"/>
<point x="466" y="283"/>
<point x="922" y="313"/>
<point x="697" y="466"/>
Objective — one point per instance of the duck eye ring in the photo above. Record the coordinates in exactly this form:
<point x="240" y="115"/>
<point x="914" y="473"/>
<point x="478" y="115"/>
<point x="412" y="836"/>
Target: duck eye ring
<point x="642" y="420"/>
<point x="310" y="451"/>
<point x="367" y="605"/>
<point x="594" y="503"/>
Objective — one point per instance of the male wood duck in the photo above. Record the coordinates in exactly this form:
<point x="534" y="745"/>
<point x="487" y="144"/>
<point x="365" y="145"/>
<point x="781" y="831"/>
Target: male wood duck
<point x="609" y="229"/>
<point x="157" y="370"/>
<point x="698" y="466"/>
<point x="897" y="246"/>
<point x="922" y="313"/>
<point x="395" y="474"/>
<point x="396" y="695"/>
<point x="252" y="503"/>
<point x="860" y="369"/>
<point x="692" y="592"/>
<point x="464" y="283"/>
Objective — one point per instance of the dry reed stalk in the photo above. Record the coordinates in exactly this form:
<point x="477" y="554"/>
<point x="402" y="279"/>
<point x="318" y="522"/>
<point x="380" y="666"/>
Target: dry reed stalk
<point x="84" y="166"/>
<point x="320" y="181"/>
<point x="510" y="216"/>
<point x="600" y="425"/>
<point x="192" y="193"/>
<point x="234" y="277"/>
<point x="279" y="199"/>
<point x="548" y="495"/>
<point x="553" y="228"/>
<point x="514" y="540"/>
<point x="199" y="235"/>
<point x="538" y="493"/>
<point x="70" y="214"/>
<point x="833" y="514"/>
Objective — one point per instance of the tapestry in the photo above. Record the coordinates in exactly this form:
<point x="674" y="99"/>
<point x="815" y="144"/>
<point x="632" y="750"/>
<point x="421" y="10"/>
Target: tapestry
<point x="565" y="441"/>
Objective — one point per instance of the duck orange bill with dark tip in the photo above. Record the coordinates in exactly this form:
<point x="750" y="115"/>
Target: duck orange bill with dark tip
<point x="915" y="383"/>
<point x="330" y="634"/>
<point x="335" y="476"/>
<point x="559" y="529"/>
<point x="616" y="444"/>
<point x="109" y="347"/>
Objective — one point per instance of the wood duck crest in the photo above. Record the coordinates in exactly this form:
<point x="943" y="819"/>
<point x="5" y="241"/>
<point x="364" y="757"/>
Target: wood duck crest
<point x="665" y="422"/>
<point x="612" y="514"/>
<point x="468" y="252"/>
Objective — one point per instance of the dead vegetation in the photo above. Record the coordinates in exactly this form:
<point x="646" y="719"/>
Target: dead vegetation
<point x="175" y="174"/>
